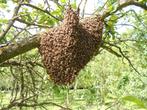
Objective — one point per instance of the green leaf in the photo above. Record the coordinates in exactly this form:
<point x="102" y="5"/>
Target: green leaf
<point x="3" y="21"/>
<point x="3" y="1"/>
<point x="51" y="22"/>
<point x="56" y="90"/>
<point x="42" y="19"/>
<point x="134" y="100"/>
<point x="3" y="5"/>
<point x="58" y="12"/>
<point x="63" y="1"/>
<point x="28" y="18"/>
<point x="74" y="5"/>
<point x="114" y="18"/>
<point x="111" y="8"/>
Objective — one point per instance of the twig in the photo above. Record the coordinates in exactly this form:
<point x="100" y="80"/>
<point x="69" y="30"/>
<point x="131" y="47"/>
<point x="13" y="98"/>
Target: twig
<point x="103" y="7"/>
<point x="58" y="4"/>
<point x="115" y="103"/>
<point x="120" y="7"/>
<point x="129" y="61"/>
<point x="111" y="50"/>
<point x="14" y="92"/>
<point x="78" y="8"/>
<point x="14" y="103"/>
<point x="37" y="8"/>
<point x="124" y="40"/>
<point x="17" y="34"/>
<point x="140" y="20"/>
<point x="125" y="24"/>
<point x="18" y="104"/>
<point x="43" y="103"/>
<point x="83" y="12"/>
<point x="16" y="10"/>
<point x="31" y="23"/>
<point x="21" y="64"/>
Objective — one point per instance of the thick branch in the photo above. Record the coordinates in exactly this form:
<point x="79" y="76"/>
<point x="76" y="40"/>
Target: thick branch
<point x="12" y="50"/>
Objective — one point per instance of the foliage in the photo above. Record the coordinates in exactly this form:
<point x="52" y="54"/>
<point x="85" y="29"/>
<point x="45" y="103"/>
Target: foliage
<point x="107" y="82"/>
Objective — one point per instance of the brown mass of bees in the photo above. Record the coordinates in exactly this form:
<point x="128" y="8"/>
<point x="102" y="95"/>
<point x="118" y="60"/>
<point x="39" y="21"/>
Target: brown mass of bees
<point x="66" y="49"/>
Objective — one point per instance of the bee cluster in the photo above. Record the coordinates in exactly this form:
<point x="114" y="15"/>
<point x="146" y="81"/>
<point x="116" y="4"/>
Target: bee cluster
<point x="66" y="49"/>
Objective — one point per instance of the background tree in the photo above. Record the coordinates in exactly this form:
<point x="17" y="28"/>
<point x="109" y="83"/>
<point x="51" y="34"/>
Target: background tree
<point x="114" y="79"/>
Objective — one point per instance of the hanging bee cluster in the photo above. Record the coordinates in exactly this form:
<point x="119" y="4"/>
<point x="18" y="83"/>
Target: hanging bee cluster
<point x="66" y="49"/>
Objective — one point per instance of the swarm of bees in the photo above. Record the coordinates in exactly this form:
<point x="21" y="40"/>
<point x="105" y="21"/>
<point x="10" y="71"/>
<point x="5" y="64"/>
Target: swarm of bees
<point x="66" y="49"/>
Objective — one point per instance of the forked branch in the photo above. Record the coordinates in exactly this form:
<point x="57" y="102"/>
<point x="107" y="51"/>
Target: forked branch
<point x="122" y="53"/>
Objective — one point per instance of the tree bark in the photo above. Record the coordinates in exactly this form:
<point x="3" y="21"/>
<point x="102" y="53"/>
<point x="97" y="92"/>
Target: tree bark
<point x="15" y="49"/>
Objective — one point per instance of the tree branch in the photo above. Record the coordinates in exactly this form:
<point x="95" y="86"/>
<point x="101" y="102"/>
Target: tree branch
<point x="40" y="104"/>
<point x="121" y="52"/>
<point x="31" y="23"/>
<point x="19" y="104"/>
<point x="37" y="8"/>
<point x="120" y="7"/>
<point x="2" y="35"/>
<point x="21" y="64"/>
<point x="14" y="49"/>
<point x="109" y="49"/>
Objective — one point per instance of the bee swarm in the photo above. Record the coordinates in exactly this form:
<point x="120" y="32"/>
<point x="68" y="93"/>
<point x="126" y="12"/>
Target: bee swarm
<point x="66" y="49"/>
